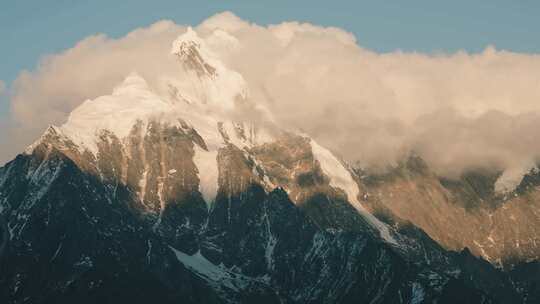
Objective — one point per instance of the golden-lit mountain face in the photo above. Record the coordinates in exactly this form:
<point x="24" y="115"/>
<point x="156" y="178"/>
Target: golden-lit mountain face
<point x="502" y="228"/>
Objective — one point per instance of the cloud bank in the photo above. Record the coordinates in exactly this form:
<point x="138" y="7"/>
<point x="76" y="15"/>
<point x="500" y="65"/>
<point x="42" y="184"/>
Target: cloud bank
<point x="458" y="111"/>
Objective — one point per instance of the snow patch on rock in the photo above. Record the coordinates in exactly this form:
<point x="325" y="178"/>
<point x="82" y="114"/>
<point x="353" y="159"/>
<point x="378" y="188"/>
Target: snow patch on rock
<point x="342" y="179"/>
<point x="418" y="293"/>
<point x="512" y="177"/>
<point x="216" y="275"/>
<point x="339" y="176"/>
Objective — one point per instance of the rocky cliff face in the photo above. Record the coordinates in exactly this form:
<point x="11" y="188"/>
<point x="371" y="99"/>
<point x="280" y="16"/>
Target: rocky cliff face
<point x="145" y="195"/>
<point x="75" y="236"/>
<point x="503" y="228"/>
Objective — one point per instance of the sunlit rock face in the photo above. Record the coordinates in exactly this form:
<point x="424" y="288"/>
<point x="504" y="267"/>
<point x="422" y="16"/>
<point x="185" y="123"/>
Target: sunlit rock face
<point x="146" y="195"/>
<point x="503" y="228"/>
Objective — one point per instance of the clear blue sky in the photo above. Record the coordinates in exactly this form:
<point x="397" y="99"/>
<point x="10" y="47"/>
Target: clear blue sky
<point x="31" y="29"/>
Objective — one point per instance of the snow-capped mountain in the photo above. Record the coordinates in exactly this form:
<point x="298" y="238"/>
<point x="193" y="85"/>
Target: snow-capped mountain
<point x="133" y="126"/>
<point x="160" y="193"/>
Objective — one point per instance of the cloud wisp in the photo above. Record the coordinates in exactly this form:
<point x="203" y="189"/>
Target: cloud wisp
<point x="458" y="111"/>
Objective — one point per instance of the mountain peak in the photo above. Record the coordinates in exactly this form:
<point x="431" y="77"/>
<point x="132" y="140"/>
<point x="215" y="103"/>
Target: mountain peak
<point x="51" y="131"/>
<point x="206" y="79"/>
<point x="193" y="53"/>
<point x="131" y="101"/>
<point x="203" y="89"/>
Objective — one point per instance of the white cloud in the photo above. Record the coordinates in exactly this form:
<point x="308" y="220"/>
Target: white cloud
<point x="90" y="69"/>
<point x="458" y="111"/>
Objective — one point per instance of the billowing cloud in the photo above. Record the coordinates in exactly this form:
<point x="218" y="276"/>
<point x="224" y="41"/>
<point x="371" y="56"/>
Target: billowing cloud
<point x="458" y="111"/>
<point x="91" y="68"/>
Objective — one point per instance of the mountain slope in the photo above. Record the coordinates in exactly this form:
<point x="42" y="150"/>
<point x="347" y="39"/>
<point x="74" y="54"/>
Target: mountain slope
<point x="83" y="235"/>
<point x="503" y="228"/>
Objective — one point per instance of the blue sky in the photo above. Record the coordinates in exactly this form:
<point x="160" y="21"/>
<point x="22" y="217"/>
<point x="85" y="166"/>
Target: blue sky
<point x="31" y="29"/>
